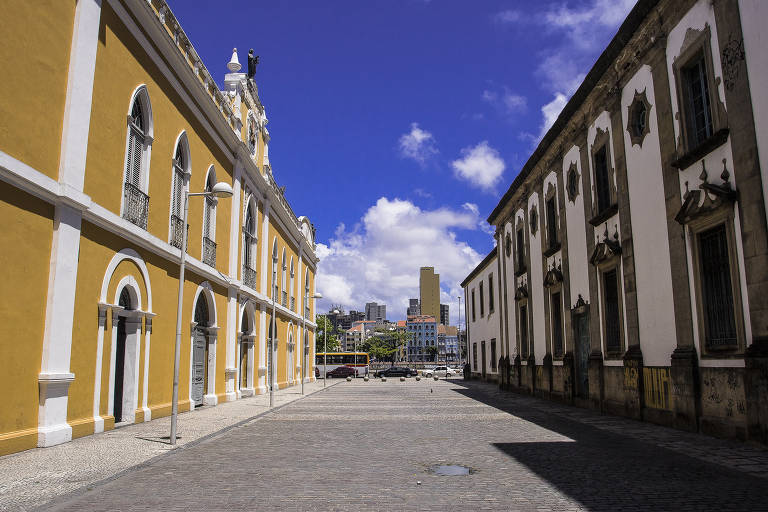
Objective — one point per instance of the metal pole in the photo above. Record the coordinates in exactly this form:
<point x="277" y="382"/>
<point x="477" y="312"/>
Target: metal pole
<point x="271" y="345"/>
<point x="177" y="348"/>
<point x="303" y="344"/>
<point x="325" y="349"/>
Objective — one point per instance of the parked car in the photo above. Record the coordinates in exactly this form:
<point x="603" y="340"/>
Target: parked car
<point x="396" y="371"/>
<point x="341" y="371"/>
<point x="440" y="371"/>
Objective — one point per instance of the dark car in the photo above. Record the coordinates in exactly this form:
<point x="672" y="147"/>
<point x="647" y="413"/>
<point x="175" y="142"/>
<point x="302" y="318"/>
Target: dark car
<point x="396" y="371"/>
<point x="341" y="371"/>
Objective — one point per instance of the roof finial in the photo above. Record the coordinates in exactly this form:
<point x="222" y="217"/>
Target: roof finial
<point x="234" y="64"/>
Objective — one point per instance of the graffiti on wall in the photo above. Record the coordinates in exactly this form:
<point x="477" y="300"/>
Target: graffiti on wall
<point x="656" y="386"/>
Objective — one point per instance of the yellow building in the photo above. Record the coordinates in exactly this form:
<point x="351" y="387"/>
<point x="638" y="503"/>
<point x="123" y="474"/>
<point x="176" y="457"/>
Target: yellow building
<point x="97" y="151"/>
<point x="429" y="292"/>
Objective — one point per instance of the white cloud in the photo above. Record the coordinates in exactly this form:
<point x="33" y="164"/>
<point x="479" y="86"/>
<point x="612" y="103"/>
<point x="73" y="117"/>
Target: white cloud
<point x="481" y="166"/>
<point x="418" y="145"/>
<point x="508" y="16"/>
<point x="379" y="260"/>
<point x="505" y="102"/>
<point x="550" y="111"/>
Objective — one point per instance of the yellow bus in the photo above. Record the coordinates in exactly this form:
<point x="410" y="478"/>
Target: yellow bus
<point x="329" y="361"/>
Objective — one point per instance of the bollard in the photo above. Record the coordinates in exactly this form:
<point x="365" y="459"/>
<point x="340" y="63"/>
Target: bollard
<point x="383" y="379"/>
<point x="365" y="379"/>
<point x="436" y="377"/>
<point x="402" y="379"/>
<point x="418" y="378"/>
<point x="349" y="379"/>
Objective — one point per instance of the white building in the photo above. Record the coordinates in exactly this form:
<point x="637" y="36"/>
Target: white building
<point x="483" y="317"/>
<point x="633" y="263"/>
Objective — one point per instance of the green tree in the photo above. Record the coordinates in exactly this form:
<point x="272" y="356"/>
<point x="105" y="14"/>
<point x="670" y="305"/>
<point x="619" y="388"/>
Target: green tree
<point x="385" y="346"/>
<point x="324" y="326"/>
<point x="432" y="351"/>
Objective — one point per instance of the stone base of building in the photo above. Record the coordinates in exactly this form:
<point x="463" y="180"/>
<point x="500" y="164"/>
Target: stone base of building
<point x="718" y="401"/>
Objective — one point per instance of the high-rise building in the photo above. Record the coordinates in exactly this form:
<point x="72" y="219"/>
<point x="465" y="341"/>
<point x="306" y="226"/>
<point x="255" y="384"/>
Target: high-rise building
<point x="374" y="311"/>
<point x="413" y="307"/>
<point x="444" y="318"/>
<point x="429" y="291"/>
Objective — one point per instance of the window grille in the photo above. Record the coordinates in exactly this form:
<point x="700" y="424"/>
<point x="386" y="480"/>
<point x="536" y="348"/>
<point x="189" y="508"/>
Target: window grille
<point x="551" y="222"/>
<point x="557" y="325"/>
<point x="482" y="300"/>
<point x="135" y="201"/>
<point x="520" y="250"/>
<point x="612" y="324"/>
<point x="602" y="179"/>
<point x="717" y="294"/>
<point x="524" y="331"/>
<point x="490" y="293"/>
<point x="699" y="115"/>
<point x="473" y="305"/>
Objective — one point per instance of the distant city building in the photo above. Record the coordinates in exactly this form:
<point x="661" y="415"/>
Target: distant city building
<point x="357" y="334"/>
<point x="414" y="308"/>
<point x="448" y="342"/>
<point x="374" y="311"/>
<point x="429" y="292"/>
<point x="444" y="317"/>
<point x="423" y="329"/>
<point x="345" y="321"/>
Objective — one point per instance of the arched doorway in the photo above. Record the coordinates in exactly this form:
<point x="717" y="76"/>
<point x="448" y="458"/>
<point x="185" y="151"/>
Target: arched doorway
<point x="272" y="344"/>
<point x="200" y="351"/>
<point x="305" y="362"/>
<point x="291" y="362"/>
<point x="245" y="332"/>
<point x="117" y="393"/>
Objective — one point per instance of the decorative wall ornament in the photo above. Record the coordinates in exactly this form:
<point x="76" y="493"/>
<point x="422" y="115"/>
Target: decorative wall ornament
<point x="553" y="277"/>
<point x="638" y="118"/>
<point x="573" y="183"/>
<point x="708" y="198"/>
<point x="732" y="57"/>
<point x="521" y="292"/>
<point x="508" y="245"/>
<point x="607" y="249"/>
<point x="533" y="217"/>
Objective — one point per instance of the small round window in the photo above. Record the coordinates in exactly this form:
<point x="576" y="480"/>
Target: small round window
<point x="637" y="124"/>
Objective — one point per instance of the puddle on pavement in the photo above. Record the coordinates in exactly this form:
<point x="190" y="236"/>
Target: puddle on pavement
<point x="451" y="470"/>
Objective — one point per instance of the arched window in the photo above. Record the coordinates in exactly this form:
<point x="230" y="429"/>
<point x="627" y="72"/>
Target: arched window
<point x="291" y="289"/>
<point x="125" y="299"/>
<point x="209" y="222"/>
<point x="282" y="281"/>
<point x="274" y="270"/>
<point x="201" y="312"/>
<point x="181" y="171"/>
<point x="249" y="247"/>
<point x="306" y="294"/>
<point x="135" y="198"/>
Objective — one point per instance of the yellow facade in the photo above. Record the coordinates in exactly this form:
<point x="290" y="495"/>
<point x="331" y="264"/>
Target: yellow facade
<point x="93" y="278"/>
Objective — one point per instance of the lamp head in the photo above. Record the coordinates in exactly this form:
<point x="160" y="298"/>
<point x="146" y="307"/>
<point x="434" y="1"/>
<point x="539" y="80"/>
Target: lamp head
<point x="222" y="189"/>
<point x="317" y="295"/>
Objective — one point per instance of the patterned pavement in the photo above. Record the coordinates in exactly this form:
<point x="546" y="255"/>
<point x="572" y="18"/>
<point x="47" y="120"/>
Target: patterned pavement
<point x="370" y="446"/>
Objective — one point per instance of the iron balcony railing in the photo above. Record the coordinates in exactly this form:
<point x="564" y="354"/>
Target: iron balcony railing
<point x="176" y="232"/>
<point x="135" y="205"/>
<point x="285" y="299"/>
<point x="209" y="252"/>
<point x="249" y="277"/>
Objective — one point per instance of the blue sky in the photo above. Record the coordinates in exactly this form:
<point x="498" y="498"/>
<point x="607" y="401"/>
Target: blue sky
<point x="397" y="125"/>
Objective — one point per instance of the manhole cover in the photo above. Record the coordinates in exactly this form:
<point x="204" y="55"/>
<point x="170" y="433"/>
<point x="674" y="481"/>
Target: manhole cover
<point x="451" y="470"/>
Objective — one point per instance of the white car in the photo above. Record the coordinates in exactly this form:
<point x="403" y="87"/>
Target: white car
<point x="440" y="371"/>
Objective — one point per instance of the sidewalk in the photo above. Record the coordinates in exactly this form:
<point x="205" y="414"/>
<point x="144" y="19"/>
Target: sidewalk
<point x="34" y="477"/>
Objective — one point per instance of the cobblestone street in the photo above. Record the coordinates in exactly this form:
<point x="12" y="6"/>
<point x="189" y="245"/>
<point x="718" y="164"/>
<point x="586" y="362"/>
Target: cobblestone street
<point x="370" y="446"/>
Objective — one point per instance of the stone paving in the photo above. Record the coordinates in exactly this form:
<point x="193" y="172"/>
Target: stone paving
<point x="370" y="446"/>
<point x="33" y="477"/>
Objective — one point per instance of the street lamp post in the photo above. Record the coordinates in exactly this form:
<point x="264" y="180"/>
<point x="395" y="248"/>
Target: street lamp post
<point x="458" y="330"/>
<point x="305" y="365"/>
<point x="325" y="346"/>
<point x="220" y="189"/>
